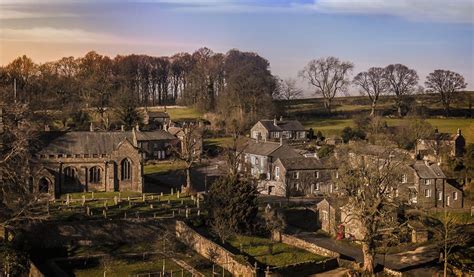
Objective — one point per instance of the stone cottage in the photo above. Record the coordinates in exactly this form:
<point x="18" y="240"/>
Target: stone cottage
<point x="303" y="176"/>
<point x="156" y="144"/>
<point x="433" y="188"/>
<point x="258" y="157"/>
<point x="155" y="119"/>
<point x="438" y="143"/>
<point x="272" y="130"/>
<point x="87" y="161"/>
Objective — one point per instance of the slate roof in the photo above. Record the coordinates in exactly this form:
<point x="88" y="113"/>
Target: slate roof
<point x="443" y="136"/>
<point x="154" y="135"/>
<point x="70" y="143"/>
<point x="428" y="171"/>
<point x="271" y="149"/>
<point x="301" y="163"/>
<point x="282" y="125"/>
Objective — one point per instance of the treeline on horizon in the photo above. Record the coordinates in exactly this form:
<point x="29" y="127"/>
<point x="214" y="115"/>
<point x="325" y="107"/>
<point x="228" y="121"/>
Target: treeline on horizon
<point x="238" y="86"/>
<point x="235" y="83"/>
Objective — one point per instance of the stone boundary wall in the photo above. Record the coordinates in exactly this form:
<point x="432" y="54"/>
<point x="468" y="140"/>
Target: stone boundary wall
<point x="212" y="251"/>
<point x="308" y="246"/>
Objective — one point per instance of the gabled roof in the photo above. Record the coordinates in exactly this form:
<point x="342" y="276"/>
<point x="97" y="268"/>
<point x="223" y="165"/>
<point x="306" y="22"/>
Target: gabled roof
<point x="70" y="143"/>
<point x="428" y="170"/>
<point x="301" y="163"/>
<point x="272" y="149"/>
<point x="154" y="135"/>
<point x="282" y="125"/>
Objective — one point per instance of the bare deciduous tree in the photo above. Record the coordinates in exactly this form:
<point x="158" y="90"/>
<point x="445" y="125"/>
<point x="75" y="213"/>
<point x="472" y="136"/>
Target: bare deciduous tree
<point x="329" y="76"/>
<point x="370" y="183"/>
<point x="373" y="83"/>
<point x="446" y="83"/>
<point x="189" y="150"/>
<point x="288" y="90"/>
<point x="402" y="82"/>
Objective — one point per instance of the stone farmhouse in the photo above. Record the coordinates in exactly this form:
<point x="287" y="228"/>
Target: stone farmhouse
<point x="258" y="157"/>
<point x="432" y="187"/>
<point x="271" y="130"/>
<point x="302" y="176"/>
<point x="157" y="144"/>
<point x="438" y="143"/>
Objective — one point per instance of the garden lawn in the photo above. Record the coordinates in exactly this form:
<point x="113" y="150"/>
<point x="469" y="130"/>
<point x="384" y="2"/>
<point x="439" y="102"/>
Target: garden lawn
<point x="272" y="253"/>
<point x="124" y="268"/>
<point x="164" y="167"/>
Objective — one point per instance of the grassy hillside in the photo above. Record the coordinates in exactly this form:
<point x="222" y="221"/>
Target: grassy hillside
<point x="312" y="114"/>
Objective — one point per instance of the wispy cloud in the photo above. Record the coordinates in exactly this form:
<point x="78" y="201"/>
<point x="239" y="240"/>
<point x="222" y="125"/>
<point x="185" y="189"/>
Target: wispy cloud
<point x="79" y="36"/>
<point x="436" y="10"/>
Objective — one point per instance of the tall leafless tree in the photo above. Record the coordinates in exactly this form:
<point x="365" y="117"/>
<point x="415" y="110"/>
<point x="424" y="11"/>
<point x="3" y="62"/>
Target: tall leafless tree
<point x="189" y="150"/>
<point x="446" y="83"/>
<point x="329" y="76"/>
<point x="402" y="82"/>
<point x="373" y="83"/>
<point x="288" y="90"/>
<point x="370" y="183"/>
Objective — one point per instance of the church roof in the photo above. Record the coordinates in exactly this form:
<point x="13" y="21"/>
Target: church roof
<point x="70" y="143"/>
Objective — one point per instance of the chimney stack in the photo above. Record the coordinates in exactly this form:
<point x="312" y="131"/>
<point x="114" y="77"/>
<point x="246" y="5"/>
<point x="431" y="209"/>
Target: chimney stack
<point x="459" y="131"/>
<point x="275" y="121"/>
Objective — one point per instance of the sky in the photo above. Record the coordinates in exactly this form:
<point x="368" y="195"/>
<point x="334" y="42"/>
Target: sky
<point x="422" y="34"/>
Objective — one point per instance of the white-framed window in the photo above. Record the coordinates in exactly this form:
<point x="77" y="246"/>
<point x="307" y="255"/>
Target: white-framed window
<point x="455" y="195"/>
<point x="427" y="193"/>
<point x="448" y="200"/>
<point x="440" y="195"/>
<point x="404" y="178"/>
<point x="296" y="175"/>
<point x="429" y="182"/>
<point x="253" y="160"/>
<point x="277" y="172"/>
<point x="316" y="174"/>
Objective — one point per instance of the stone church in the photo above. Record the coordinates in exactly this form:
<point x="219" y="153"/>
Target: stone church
<point x="87" y="161"/>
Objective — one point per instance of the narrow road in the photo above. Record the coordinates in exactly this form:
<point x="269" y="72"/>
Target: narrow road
<point x="398" y="261"/>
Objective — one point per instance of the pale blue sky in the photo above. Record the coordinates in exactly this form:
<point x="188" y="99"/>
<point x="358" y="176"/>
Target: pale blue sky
<point x="423" y="34"/>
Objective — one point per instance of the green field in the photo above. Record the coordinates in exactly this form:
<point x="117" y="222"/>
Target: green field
<point x="450" y="125"/>
<point x="164" y="167"/>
